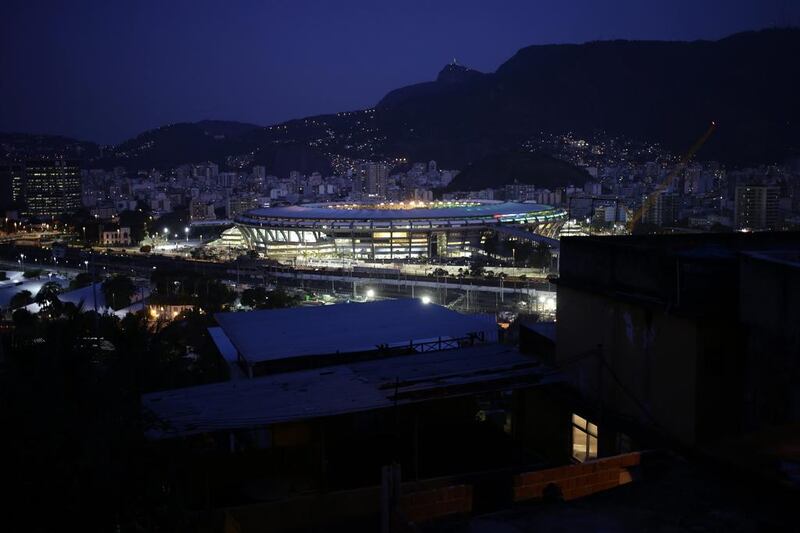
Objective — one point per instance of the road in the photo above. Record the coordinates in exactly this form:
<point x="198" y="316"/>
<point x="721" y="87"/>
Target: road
<point x="473" y="293"/>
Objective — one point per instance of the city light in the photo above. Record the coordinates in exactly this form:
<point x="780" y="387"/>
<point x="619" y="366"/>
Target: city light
<point x="370" y="293"/>
<point x="426" y="299"/>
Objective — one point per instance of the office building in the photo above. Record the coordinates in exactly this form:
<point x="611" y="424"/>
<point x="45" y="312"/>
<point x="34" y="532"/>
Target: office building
<point x="52" y="187"/>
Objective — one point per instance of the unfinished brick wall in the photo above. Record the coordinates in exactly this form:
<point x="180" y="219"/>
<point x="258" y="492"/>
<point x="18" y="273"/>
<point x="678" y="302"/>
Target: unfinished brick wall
<point x="433" y="503"/>
<point x="576" y="481"/>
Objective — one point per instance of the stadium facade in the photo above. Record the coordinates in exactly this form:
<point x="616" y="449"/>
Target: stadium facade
<point x="389" y="231"/>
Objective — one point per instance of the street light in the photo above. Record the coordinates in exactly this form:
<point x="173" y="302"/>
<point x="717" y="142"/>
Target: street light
<point x="370" y="293"/>
<point x="186" y="231"/>
<point x="426" y="299"/>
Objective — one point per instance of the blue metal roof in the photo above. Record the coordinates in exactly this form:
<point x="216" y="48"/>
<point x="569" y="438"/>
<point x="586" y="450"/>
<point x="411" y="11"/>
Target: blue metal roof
<point x="276" y="334"/>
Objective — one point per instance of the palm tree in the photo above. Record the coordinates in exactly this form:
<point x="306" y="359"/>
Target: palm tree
<point x="47" y="297"/>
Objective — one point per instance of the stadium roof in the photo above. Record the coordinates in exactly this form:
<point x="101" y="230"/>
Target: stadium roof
<point x="335" y="211"/>
<point x="276" y="334"/>
<point x="341" y="389"/>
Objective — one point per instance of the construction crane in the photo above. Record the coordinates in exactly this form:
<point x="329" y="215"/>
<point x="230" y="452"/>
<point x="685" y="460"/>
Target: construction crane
<point x="664" y="185"/>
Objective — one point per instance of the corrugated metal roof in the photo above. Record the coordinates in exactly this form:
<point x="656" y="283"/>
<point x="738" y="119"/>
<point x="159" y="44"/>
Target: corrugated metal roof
<point x="341" y="389"/>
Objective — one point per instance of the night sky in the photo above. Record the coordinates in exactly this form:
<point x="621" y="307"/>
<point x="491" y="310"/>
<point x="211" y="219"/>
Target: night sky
<point x="106" y="70"/>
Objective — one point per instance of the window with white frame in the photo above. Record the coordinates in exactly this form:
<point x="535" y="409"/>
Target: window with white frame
<point x="584" y="439"/>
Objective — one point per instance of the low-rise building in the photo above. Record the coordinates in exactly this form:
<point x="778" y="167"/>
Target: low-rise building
<point x="119" y="236"/>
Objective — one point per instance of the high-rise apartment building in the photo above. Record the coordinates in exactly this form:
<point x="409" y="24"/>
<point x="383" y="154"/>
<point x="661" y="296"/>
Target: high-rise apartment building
<point x="756" y="206"/>
<point x="11" y="182"/>
<point x="377" y="178"/>
<point x="661" y="209"/>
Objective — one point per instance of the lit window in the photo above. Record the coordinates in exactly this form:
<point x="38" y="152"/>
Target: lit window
<point x="584" y="439"/>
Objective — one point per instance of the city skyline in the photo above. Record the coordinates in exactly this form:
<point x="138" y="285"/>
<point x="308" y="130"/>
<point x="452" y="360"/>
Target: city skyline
<point x="316" y="266"/>
<point x="105" y="73"/>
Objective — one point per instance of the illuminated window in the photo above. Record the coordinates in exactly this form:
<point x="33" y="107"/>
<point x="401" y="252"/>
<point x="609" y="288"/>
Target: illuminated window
<point x="584" y="439"/>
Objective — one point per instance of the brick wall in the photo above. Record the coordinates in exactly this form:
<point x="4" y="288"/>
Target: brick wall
<point x="576" y="481"/>
<point x="426" y="505"/>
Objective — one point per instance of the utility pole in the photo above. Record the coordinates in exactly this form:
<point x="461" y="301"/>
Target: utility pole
<point x="94" y="295"/>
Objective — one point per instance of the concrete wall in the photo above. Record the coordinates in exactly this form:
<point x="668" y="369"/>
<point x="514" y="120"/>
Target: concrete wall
<point x="769" y="296"/>
<point x="653" y="353"/>
<point x="544" y="425"/>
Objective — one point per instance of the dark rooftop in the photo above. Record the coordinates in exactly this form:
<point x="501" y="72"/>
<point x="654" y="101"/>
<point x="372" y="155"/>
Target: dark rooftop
<point x="341" y="389"/>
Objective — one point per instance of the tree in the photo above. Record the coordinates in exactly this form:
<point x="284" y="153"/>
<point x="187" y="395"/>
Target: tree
<point x="47" y="297"/>
<point x="253" y="297"/>
<point x="136" y="221"/>
<point x="214" y="295"/>
<point x="21" y="299"/>
<point x="260" y="298"/>
<point x="476" y="268"/>
<point x="118" y="291"/>
<point x="279" y="299"/>
<point x="83" y="279"/>
<point x="25" y="321"/>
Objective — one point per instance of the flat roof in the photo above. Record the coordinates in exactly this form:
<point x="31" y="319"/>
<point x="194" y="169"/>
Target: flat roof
<point x="790" y="258"/>
<point x="341" y="389"/>
<point x="276" y="334"/>
<point x="339" y="211"/>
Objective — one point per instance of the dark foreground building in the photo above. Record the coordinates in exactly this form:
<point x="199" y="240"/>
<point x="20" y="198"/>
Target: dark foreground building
<point x="353" y="413"/>
<point x="400" y="416"/>
<point x="693" y="336"/>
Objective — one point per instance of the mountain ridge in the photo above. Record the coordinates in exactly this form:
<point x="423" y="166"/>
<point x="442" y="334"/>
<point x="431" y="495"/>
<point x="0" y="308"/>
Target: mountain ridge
<point x="660" y="91"/>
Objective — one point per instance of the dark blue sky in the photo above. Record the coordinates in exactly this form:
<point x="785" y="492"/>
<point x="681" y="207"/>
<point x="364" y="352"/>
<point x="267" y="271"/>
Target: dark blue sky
<point x="106" y="70"/>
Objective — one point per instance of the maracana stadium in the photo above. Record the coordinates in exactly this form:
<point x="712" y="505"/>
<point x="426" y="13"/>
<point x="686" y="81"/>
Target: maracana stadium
<point x="391" y="231"/>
